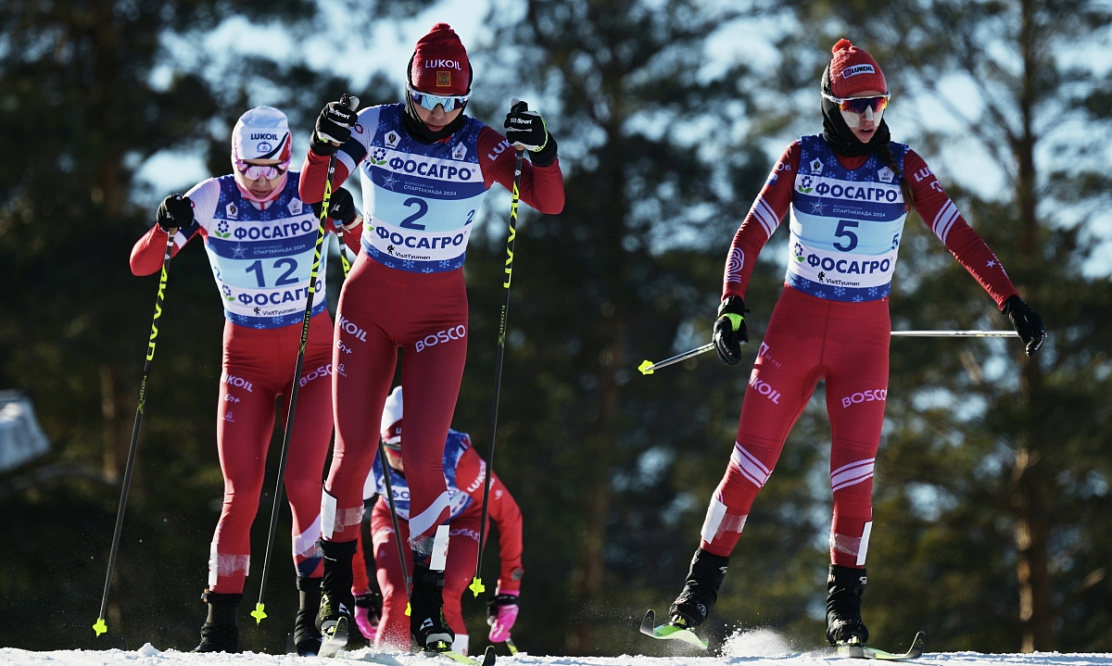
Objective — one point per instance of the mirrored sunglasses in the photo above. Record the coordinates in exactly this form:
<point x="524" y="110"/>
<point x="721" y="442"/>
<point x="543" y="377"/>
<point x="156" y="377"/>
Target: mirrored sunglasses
<point x="860" y="104"/>
<point x="429" y="101"/>
<point x="394" y="446"/>
<point x="255" y="171"/>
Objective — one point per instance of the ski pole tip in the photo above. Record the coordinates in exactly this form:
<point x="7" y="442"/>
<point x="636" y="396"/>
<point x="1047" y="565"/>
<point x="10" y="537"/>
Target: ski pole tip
<point x="646" y="367"/>
<point x="259" y="613"/>
<point x="100" y="627"/>
<point x="477" y="586"/>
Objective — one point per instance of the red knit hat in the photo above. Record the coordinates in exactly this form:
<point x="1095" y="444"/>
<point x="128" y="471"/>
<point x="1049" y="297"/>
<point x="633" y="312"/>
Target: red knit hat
<point x="440" y="65"/>
<point x="853" y="71"/>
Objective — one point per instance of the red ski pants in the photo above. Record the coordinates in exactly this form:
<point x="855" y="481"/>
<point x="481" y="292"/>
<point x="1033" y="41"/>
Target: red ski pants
<point x="258" y="369"/>
<point x="808" y="339"/>
<point x="383" y="310"/>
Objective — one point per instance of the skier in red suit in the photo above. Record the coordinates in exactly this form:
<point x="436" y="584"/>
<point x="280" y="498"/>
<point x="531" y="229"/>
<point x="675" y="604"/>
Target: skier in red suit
<point x="260" y="238"/>
<point x="425" y="167"/>
<point x="848" y="192"/>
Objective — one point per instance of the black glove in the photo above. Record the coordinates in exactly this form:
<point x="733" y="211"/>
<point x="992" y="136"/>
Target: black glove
<point x="333" y="126"/>
<point x="175" y="212"/>
<point x="341" y="206"/>
<point x="527" y="129"/>
<point x="1027" y="323"/>
<point x="729" y="330"/>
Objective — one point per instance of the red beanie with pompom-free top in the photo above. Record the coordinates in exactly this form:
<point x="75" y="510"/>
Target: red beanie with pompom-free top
<point x="440" y="65"/>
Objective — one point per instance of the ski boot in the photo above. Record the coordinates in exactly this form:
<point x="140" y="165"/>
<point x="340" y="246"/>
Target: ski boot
<point x="700" y="591"/>
<point x="844" y="587"/>
<point x="220" y="632"/>
<point x="336" y="600"/>
<point x="426" y="620"/>
<point x="306" y="636"/>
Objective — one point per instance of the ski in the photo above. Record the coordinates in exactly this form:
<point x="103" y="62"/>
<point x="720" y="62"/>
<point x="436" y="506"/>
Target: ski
<point x="332" y="643"/>
<point x="489" y="657"/>
<point x="852" y="651"/>
<point x="864" y="652"/>
<point x="670" y="631"/>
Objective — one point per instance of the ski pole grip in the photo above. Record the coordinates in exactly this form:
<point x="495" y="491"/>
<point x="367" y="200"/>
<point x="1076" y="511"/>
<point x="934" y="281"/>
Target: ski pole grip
<point x="350" y="101"/>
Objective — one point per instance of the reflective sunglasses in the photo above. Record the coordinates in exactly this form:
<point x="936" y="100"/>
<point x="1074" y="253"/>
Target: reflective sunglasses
<point x="429" y="101"/>
<point x="255" y="171"/>
<point x="396" y="446"/>
<point x="860" y="104"/>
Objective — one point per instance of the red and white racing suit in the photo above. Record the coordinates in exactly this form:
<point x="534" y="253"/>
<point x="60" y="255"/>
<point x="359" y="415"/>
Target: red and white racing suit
<point x="261" y="258"/>
<point x="406" y="291"/>
<point x="831" y="323"/>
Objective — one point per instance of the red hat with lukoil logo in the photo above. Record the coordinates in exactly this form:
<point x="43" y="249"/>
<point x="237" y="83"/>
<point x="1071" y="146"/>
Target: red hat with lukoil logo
<point x="440" y="65"/>
<point x="853" y="71"/>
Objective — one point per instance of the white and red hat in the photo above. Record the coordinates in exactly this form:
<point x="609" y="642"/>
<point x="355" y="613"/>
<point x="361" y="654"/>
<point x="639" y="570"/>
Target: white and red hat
<point x="391" y="429"/>
<point x="854" y="71"/>
<point x="263" y="133"/>
<point x="440" y="65"/>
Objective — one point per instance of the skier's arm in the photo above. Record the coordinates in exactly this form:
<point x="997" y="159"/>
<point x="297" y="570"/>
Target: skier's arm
<point x="942" y="217"/>
<point x="764" y="216"/>
<point x="542" y="187"/>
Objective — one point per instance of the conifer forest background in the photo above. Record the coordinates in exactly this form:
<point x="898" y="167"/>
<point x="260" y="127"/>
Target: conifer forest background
<point x="993" y="498"/>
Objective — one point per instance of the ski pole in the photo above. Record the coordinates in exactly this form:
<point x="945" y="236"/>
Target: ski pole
<point x="100" y="626"/>
<point x="476" y="586"/>
<point x="956" y="334"/>
<point x="260" y="609"/>
<point x="646" y="367"/>
<point x="394" y="517"/>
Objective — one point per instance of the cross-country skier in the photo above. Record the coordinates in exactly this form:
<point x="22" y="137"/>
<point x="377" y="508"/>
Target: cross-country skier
<point x="260" y="238"/>
<point x="464" y="471"/>
<point x="425" y="166"/>
<point x="848" y="191"/>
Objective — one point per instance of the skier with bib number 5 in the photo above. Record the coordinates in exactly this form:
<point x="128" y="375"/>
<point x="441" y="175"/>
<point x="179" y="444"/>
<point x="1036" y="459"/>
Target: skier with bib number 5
<point x="260" y="237"/>
<point x="848" y="191"/>
<point x="425" y="166"/>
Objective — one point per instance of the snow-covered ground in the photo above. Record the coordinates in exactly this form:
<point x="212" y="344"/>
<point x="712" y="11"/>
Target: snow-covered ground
<point x="756" y="648"/>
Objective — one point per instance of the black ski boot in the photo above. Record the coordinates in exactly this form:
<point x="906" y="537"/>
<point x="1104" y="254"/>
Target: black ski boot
<point x="306" y="636"/>
<point x="336" y="600"/>
<point x="426" y="620"/>
<point x="220" y="633"/>
<point x="700" y="591"/>
<point x="844" y="587"/>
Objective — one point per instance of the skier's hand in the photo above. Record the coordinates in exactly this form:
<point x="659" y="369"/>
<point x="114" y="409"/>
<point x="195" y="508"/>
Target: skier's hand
<point x="368" y="612"/>
<point x="333" y="127"/>
<point x="501" y="613"/>
<point x="527" y="131"/>
<point x="730" y="331"/>
<point x="175" y="212"/>
<point x="1027" y="323"/>
<point x="341" y="207"/>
